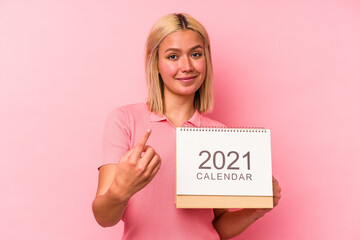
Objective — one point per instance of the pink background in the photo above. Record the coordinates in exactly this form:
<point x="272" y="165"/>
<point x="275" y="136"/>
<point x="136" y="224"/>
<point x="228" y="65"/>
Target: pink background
<point x="291" y="66"/>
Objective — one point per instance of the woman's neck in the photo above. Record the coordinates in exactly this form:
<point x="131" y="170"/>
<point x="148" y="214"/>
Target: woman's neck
<point x="179" y="109"/>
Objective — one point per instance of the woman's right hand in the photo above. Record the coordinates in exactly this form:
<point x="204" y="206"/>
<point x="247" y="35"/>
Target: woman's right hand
<point x="134" y="170"/>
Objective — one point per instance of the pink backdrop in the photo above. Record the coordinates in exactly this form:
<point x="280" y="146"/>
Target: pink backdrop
<point x="291" y="66"/>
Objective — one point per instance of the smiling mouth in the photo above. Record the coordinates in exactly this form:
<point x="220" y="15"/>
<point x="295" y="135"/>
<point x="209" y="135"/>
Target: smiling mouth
<point x="186" y="79"/>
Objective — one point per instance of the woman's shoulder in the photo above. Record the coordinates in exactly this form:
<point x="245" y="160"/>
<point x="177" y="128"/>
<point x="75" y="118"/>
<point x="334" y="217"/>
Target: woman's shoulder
<point x="129" y="111"/>
<point x="130" y="108"/>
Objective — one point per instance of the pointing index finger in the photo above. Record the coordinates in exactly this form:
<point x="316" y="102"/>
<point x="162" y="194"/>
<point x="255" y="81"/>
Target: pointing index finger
<point x="141" y="143"/>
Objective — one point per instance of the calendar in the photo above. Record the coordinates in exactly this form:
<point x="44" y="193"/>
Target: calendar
<point x="223" y="168"/>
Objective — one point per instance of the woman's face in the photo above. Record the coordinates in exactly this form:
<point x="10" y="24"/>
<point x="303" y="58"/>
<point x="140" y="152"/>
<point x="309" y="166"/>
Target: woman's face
<point x="182" y="63"/>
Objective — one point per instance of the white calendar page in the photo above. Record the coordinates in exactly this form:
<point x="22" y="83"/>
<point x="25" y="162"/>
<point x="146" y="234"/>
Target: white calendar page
<point x="223" y="161"/>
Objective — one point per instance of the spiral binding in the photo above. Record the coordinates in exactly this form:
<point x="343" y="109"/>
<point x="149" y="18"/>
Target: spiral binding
<point x="223" y="129"/>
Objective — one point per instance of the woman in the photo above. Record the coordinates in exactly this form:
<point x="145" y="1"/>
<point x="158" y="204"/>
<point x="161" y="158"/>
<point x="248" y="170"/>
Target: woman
<point x="132" y="186"/>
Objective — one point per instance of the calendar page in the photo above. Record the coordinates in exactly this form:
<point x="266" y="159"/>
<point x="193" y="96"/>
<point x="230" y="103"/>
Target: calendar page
<point x="223" y="162"/>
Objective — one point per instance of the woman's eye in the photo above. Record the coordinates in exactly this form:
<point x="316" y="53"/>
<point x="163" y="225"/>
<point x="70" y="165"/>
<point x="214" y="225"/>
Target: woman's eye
<point x="172" y="57"/>
<point x="196" y="54"/>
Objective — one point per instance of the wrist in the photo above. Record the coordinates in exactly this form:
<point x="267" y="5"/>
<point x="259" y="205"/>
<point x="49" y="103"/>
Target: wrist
<point x="115" y="195"/>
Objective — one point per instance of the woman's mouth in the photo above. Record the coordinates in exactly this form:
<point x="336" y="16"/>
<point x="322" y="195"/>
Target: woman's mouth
<point x="187" y="79"/>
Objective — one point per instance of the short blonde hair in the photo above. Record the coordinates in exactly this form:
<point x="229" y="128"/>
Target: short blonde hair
<point x="166" y="25"/>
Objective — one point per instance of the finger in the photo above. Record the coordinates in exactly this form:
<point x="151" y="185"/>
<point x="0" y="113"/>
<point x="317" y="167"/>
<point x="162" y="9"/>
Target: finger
<point x="148" y="149"/>
<point x="126" y="155"/>
<point x="152" y="168"/>
<point x="139" y="148"/>
<point x="274" y="180"/>
<point x="155" y="170"/>
<point x="147" y="154"/>
<point x="277" y="191"/>
<point x="277" y="194"/>
<point x="275" y="183"/>
<point x="154" y="165"/>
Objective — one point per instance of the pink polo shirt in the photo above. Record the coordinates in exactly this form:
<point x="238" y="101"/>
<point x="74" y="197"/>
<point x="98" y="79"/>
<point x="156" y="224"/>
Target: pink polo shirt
<point x="151" y="212"/>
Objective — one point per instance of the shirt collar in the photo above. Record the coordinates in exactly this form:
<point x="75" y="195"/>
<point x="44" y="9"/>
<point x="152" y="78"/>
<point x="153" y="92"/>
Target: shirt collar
<point x="195" y="120"/>
<point x="157" y="118"/>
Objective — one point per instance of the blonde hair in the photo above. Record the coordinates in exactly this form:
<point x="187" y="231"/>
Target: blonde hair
<point x="166" y="25"/>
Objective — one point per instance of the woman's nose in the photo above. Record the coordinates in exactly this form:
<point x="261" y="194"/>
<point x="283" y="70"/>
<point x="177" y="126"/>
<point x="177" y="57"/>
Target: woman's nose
<point x="186" y="65"/>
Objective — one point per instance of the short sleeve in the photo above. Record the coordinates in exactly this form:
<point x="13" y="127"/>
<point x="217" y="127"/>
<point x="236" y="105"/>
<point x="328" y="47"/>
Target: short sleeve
<point x="116" y="137"/>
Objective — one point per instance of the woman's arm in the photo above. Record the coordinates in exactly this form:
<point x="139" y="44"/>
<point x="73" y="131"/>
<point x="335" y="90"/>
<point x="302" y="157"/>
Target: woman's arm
<point x="107" y="208"/>
<point x="118" y="182"/>
<point x="232" y="223"/>
<point x="228" y="224"/>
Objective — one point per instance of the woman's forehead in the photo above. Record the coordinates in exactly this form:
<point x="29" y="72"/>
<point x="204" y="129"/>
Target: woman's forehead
<point x="181" y="40"/>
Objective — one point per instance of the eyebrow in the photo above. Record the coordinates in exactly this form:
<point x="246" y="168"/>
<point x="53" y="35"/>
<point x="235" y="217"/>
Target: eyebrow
<point x="178" y="50"/>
